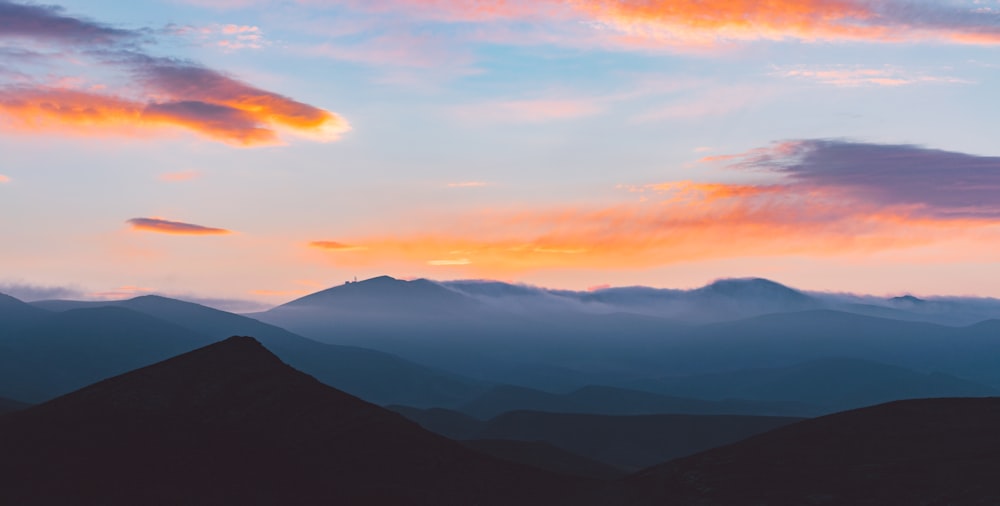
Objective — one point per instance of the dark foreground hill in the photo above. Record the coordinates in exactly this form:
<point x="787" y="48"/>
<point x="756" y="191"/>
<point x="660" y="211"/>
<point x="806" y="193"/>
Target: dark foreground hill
<point x="928" y="451"/>
<point x="8" y="405"/>
<point x="626" y="442"/>
<point x="231" y="424"/>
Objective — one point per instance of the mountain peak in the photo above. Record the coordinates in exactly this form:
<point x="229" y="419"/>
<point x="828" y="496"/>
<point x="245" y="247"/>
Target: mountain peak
<point x="231" y="424"/>
<point x="752" y="288"/>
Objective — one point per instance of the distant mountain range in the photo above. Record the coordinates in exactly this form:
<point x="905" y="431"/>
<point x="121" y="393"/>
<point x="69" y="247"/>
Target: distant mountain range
<point x="64" y="345"/>
<point x="428" y="344"/>
<point x="561" y="341"/>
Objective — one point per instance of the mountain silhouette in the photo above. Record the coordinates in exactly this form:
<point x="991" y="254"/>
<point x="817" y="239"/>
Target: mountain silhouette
<point x="231" y="424"/>
<point x="8" y="405"/>
<point x="545" y="456"/>
<point x="927" y="451"/>
<point x="625" y="442"/>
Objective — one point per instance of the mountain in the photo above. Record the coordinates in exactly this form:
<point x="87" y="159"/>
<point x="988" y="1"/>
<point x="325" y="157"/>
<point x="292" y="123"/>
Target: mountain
<point x="628" y="442"/>
<point x="725" y="299"/>
<point x="603" y="400"/>
<point x="383" y="295"/>
<point x="69" y="350"/>
<point x="231" y="424"/>
<point x="624" y="442"/>
<point x="937" y="451"/>
<point x="830" y="385"/>
<point x="15" y="313"/>
<point x="378" y="377"/>
<point x="545" y="456"/>
<point x="7" y="405"/>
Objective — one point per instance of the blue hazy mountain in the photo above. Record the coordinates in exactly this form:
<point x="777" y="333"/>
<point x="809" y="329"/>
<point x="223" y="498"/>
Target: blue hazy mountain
<point x="936" y="451"/>
<point x="69" y="350"/>
<point x="562" y="340"/>
<point x="375" y="376"/>
<point x="15" y="313"/>
<point x="834" y="384"/>
<point x="231" y="424"/>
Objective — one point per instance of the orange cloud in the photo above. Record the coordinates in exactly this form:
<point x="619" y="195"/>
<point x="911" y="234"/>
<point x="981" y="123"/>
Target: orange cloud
<point x="335" y="246"/>
<point x="676" y="222"/>
<point x="76" y="112"/>
<point x="468" y="184"/>
<point x="162" y="226"/>
<point x="4" y="179"/>
<point x="705" y="22"/>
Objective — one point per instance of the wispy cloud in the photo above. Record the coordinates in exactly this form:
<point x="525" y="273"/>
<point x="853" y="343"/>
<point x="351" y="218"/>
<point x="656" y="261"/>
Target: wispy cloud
<point x="31" y="292"/>
<point x="529" y="111"/>
<point x="699" y="22"/>
<point x="227" y="37"/>
<point x="4" y="179"/>
<point x="854" y="76"/>
<point x="157" y="92"/>
<point x="162" y="226"/>
<point x="335" y="246"/>
<point x="468" y="184"/>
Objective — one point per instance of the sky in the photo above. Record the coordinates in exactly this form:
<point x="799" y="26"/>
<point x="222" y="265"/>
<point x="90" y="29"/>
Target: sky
<point x="247" y="152"/>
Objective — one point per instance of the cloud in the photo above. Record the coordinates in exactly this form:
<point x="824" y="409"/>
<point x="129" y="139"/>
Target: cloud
<point x="931" y="182"/>
<point x="468" y="184"/>
<point x="450" y="262"/>
<point x="335" y="246"/>
<point x="162" y="226"/>
<point x="30" y="292"/>
<point x="821" y="198"/>
<point x="45" y="22"/>
<point x="529" y="111"/>
<point x="4" y="179"/>
<point x="854" y="76"/>
<point x="180" y="176"/>
<point x="706" y="22"/>
<point x="228" y="37"/>
<point x="150" y="92"/>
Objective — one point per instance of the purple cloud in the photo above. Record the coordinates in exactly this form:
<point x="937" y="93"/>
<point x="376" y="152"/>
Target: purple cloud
<point x="936" y="182"/>
<point x="45" y="22"/>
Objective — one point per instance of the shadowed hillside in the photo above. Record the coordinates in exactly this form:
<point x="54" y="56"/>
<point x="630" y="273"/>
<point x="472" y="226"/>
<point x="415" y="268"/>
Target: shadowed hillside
<point x="625" y="442"/>
<point x="937" y="451"/>
<point x="232" y="424"/>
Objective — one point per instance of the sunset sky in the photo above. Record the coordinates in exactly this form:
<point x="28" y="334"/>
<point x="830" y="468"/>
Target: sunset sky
<point x="247" y="152"/>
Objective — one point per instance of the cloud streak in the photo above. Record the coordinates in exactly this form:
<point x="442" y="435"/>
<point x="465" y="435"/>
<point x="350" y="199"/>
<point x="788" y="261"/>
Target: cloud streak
<point x="157" y="92"/>
<point x="707" y="22"/>
<point x="163" y="226"/>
